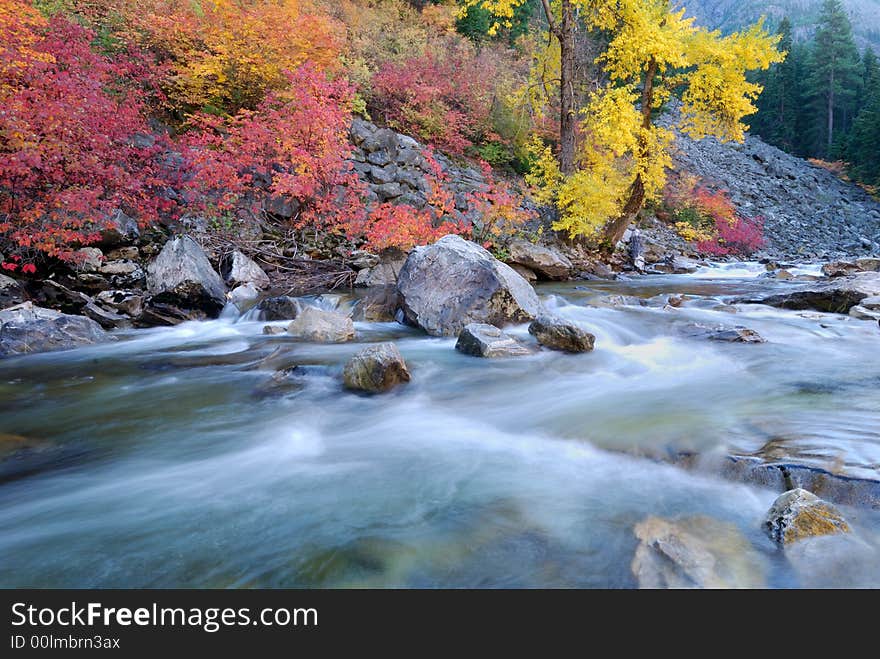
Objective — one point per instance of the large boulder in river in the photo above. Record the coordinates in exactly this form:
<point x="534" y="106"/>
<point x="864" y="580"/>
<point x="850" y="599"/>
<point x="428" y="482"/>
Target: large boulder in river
<point x="182" y="275"/>
<point x="696" y="552"/>
<point x="375" y="369"/>
<point x="25" y="328"/>
<point x="313" y="324"/>
<point x="482" y="340"/>
<point x="558" y="334"/>
<point x="237" y="269"/>
<point x="455" y="282"/>
<point x="838" y="295"/>
<point x="799" y="514"/>
<point x="543" y="260"/>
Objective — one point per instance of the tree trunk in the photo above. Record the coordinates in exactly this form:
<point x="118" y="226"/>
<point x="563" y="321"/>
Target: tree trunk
<point x="615" y="229"/>
<point x="830" y="113"/>
<point x="567" y="114"/>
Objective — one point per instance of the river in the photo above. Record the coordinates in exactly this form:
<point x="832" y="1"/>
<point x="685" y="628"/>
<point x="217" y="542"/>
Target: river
<point x="173" y="463"/>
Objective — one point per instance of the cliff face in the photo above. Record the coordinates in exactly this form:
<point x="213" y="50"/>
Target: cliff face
<point x="808" y="211"/>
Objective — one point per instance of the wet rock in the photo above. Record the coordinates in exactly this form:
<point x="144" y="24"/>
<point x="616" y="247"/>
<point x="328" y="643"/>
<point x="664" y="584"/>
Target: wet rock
<point x="123" y="302"/>
<point x="695" y="552"/>
<point x="863" y="313"/>
<point x="238" y="269"/>
<point x="619" y="301"/>
<point x="674" y="266"/>
<point x="378" y="305"/>
<point x="313" y="324"/>
<point x="182" y="276"/>
<point x="454" y="282"/>
<point x="282" y="382"/>
<point x="871" y="303"/>
<point x="88" y="259"/>
<point x="558" y="334"/>
<point x="244" y="297"/>
<point x="25" y="456"/>
<point x="282" y="307"/>
<point x="736" y="335"/>
<point x="840" y="269"/>
<point x="165" y="313"/>
<point x="384" y="272"/>
<point x="11" y="292"/>
<point x="482" y="340"/>
<point x="799" y="514"/>
<point x="26" y="328"/>
<point x="120" y="230"/>
<point x="869" y="264"/>
<point x="543" y="260"/>
<point x="274" y="329"/>
<point x="376" y="369"/>
<point x="838" y="295"/>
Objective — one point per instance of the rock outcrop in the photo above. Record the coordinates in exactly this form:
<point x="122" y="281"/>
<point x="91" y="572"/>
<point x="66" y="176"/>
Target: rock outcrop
<point x="837" y="295"/>
<point x="454" y="282"/>
<point x="376" y="369"/>
<point x="482" y="340"/>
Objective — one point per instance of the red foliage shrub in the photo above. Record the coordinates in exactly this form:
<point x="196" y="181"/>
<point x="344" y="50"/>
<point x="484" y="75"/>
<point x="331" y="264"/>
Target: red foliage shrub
<point x="68" y="156"/>
<point x="441" y="98"/>
<point x="739" y="237"/>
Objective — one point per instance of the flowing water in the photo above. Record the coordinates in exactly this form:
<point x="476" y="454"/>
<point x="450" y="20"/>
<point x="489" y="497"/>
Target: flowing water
<point x="170" y="460"/>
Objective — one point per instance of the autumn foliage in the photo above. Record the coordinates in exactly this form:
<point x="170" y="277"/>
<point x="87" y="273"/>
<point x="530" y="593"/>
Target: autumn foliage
<point x="69" y="122"/>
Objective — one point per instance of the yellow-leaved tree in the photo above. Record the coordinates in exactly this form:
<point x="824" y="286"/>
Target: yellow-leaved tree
<point x="653" y="52"/>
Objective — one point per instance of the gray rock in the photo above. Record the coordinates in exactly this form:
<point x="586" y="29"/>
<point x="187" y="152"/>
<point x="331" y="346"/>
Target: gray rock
<point x="524" y="272"/>
<point x="360" y="259"/>
<point x="838" y="295"/>
<point x="11" y="292"/>
<point x="313" y="324"/>
<point x="376" y="369"/>
<point x="558" y="334"/>
<point x="736" y="335"/>
<point x="182" y="276"/>
<point x="25" y="328"/>
<point x="482" y="340"/>
<point x="107" y="319"/>
<point x="88" y="259"/>
<point x="388" y="191"/>
<point x="272" y="330"/>
<point x="696" y="552"/>
<point x="120" y="229"/>
<point x="385" y="272"/>
<point x="130" y="253"/>
<point x="871" y="303"/>
<point x="840" y="269"/>
<point x="454" y="282"/>
<point x="862" y="313"/>
<point x="869" y="264"/>
<point x="244" y="297"/>
<point x="282" y="307"/>
<point x="544" y="261"/>
<point x="125" y="268"/>
<point x="123" y="302"/>
<point x="799" y="514"/>
<point x="236" y="269"/>
<point x="378" y="305"/>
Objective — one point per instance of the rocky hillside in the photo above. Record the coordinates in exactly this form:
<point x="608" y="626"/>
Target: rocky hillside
<point x="808" y="211"/>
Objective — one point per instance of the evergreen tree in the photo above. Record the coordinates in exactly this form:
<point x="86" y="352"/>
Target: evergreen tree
<point x="864" y="140"/>
<point x="833" y="79"/>
<point x="780" y="102"/>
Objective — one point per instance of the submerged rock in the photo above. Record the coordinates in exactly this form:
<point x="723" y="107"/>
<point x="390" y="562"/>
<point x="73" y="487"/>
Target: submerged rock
<point x="799" y="514"/>
<point x="541" y="259"/>
<point x="558" y="334"/>
<point x="483" y="340"/>
<point x="376" y="369"/>
<point x="454" y="282"/>
<point x="182" y="276"/>
<point x="696" y="552"/>
<point x="25" y="328"/>
<point x="736" y="335"/>
<point x="863" y="313"/>
<point x="313" y="324"/>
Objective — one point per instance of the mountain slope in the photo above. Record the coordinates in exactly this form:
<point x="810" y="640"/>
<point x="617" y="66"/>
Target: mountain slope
<point x="730" y="15"/>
